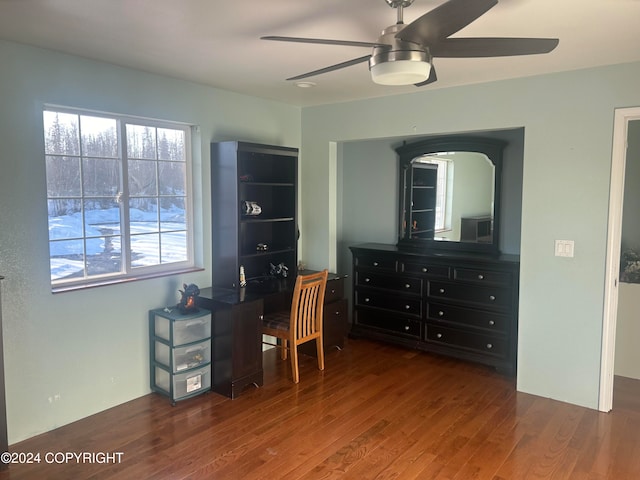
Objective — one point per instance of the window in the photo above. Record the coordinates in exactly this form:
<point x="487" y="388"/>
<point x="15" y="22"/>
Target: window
<point x="443" y="190"/>
<point x="119" y="202"/>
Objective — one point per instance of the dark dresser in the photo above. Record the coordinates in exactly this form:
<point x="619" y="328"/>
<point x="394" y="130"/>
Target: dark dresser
<point x="460" y="304"/>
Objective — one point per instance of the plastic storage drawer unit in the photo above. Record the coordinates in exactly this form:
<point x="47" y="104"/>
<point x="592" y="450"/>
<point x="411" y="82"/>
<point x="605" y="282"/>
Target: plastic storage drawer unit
<point x="180" y="352"/>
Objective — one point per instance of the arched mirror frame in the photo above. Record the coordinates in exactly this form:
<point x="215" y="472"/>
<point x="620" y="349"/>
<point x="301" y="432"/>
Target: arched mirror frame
<point x="408" y="155"/>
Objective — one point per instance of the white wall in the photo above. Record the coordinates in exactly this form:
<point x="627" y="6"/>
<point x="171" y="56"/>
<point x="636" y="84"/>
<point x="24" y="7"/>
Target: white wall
<point x="568" y="124"/>
<point x="89" y="349"/>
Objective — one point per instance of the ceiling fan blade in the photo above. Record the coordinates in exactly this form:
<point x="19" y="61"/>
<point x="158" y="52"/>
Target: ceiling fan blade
<point x="321" y="41"/>
<point x="432" y="78"/>
<point x="444" y="20"/>
<point x="491" y="47"/>
<point x="337" y="66"/>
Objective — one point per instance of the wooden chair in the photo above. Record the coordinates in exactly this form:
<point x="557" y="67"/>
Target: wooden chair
<point x="303" y="323"/>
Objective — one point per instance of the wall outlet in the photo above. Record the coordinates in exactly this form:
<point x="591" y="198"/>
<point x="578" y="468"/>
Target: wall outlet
<point x="564" y="248"/>
<point x="54" y="398"/>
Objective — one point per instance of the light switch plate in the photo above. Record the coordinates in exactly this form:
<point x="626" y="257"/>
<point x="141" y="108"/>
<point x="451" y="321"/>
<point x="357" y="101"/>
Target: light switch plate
<point x="564" y="248"/>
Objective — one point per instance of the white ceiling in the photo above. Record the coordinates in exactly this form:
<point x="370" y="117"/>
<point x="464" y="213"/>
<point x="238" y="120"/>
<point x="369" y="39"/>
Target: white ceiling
<point x="216" y="42"/>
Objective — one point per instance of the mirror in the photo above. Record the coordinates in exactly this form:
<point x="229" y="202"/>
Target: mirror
<point x="449" y="193"/>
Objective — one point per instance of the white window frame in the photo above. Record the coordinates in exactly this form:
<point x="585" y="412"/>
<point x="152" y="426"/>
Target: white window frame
<point x="129" y="272"/>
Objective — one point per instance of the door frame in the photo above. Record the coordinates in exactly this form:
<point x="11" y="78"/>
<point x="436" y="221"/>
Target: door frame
<point x="622" y="117"/>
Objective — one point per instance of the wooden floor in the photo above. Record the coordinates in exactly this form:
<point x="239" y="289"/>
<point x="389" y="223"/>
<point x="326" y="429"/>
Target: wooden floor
<point x="376" y="412"/>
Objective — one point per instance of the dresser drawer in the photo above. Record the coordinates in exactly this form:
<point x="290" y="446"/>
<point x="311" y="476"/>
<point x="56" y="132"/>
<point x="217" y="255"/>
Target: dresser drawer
<point x="379" y="262"/>
<point x="487" y="344"/>
<point x="334" y="291"/>
<point x="394" y="324"/>
<point x="433" y="271"/>
<point x="483" y="276"/>
<point x="403" y="284"/>
<point x="489" y="296"/>
<point x="396" y="303"/>
<point x="468" y="317"/>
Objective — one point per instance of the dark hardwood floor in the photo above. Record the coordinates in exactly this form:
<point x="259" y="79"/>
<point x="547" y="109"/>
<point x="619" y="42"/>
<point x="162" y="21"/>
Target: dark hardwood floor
<point x="377" y="411"/>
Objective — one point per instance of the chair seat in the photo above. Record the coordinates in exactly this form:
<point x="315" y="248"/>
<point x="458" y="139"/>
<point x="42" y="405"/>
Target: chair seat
<point x="277" y="320"/>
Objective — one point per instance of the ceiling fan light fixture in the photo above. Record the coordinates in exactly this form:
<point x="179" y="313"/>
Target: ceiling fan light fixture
<point x="402" y="64"/>
<point x="400" y="72"/>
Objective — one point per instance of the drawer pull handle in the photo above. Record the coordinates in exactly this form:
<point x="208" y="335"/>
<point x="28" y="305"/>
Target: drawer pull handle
<point x="489" y="346"/>
<point x="337" y="312"/>
<point x="440" y="313"/>
<point x="406" y="328"/>
<point x="367" y="300"/>
<point x="439" y="335"/>
<point x="480" y="277"/>
<point x="492" y="323"/>
<point x="367" y="280"/>
<point x="442" y="290"/>
<point x="375" y="264"/>
<point x="195" y="323"/>
<point x="425" y="269"/>
<point x="407" y="307"/>
<point x="492" y="298"/>
<point x="407" y="285"/>
<point x="333" y="291"/>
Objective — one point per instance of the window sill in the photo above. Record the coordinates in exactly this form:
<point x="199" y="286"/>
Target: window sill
<point x="116" y="281"/>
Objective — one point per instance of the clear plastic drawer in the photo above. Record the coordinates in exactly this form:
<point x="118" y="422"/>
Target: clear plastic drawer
<point x="184" y="384"/>
<point x="185" y="330"/>
<point x="185" y="357"/>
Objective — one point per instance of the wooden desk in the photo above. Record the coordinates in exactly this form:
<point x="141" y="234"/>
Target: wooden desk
<point x="236" y="340"/>
<point x="236" y="331"/>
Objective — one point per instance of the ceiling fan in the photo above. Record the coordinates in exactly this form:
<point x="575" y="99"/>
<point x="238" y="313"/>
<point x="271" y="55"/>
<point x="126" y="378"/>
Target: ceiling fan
<point x="403" y="54"/>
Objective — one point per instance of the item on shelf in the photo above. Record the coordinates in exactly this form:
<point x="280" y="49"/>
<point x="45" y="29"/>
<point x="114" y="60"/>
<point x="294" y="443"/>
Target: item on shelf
<point x="279" y="270"/>
<point x="262" y="247"/>
<point x="251" y="208"/>
<point x="188" y="301"/>
<point x="246" y="178"/>
<point x="243" y="278"/>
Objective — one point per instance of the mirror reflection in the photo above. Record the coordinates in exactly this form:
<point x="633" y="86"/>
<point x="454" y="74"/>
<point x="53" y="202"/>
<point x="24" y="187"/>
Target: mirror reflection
<point x="462" y="200"/>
